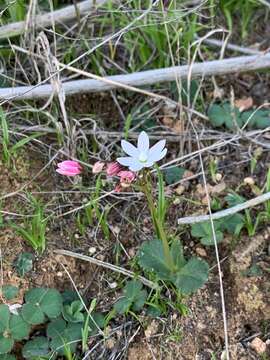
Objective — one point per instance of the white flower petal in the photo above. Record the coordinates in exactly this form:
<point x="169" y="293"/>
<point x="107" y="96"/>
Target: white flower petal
<point x="157" y="156"/>
<point x="136" y="165"/>
<point x="129" y="149"/>
<point x="148" y="163"/>
<point x="125" y="161"/>
<point x="143" y="142"/>
<point x="156" y="149"/>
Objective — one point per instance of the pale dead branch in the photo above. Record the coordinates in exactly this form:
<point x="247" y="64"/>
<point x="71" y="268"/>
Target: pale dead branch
<point x="58" y="16"/>
<point x="149" y="77"/>
<point x="108" y="266"/>
<point x="221" y="214"/>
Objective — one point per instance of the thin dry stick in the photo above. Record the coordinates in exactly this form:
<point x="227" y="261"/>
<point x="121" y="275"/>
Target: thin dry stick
<point x="233" y="47"/>
<point x="221" y="289"/>
<point x="109" y="266"/>
<point x="59" y="16"/>
<point x="221" y="214"/>
<point x="148" y="77"/>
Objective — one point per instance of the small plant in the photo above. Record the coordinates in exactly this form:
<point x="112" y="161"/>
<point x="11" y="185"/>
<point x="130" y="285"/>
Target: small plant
<point x="62" y="325"/>
<point x="232" y="224"/>
<point x="9" y="150"/>
<point x="133" y="298"/>
<point x="224" y="114"/>
<point x="24" y="263"/>
<point x="12" y="328"/>
<point x="251" y="225"/>
<point x="41" y="303"/>
<point x="34" y="228"/>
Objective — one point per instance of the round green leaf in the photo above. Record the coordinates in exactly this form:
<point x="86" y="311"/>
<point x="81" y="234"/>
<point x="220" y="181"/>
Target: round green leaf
<point x="35" y="296"/>
<point x="67" y="340"/>
<point x="32" y="314"/>
<point x="6" y="344"/>
<point x="18" y="327"/>
<point x="52" y="303"/>
<point x="4" y="317"/>
<point x="192" y="276"/>
<point x="72" y="313"/>
<point x="24" y="263"/>
<point x="9" y="291"/>
<point x="151" y="257"/>
<point x="36" y="347"/>
<point x="56" y="328"/>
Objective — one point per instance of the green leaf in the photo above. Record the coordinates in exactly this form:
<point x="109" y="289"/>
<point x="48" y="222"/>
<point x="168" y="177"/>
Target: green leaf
<point x="203" y="231"/>
<point x="122" y="305"/>
<point x="253" y="270"/>
<point x="6" y="344"/>
<point x="256" y="120"/>
<point x="72" y="313"/>
<point x="178" y="254"/>
<point x="173" y="174"/>
<point x="49" y="301"/>
<point x="223" y="114"/>
<point x="7" y="357"/>
<point x="67" y="339"/>
<point x="4" y="317"/>
<point x="56" y="328"/>
<point x="151" y="257"/>
<point x="132" y="289"/>
<point x="96" y="319"/>
<point x="233" y="224"/>
<point x="24" y="263"/>
<point x="32" y="314"/>
<point x="39" y="346"/>
<point x="52" y="303"/>
<point x="234" y="199"/>
<point x="134" y="297"/>
<point x="9" y="291"/>
<point x="24" y="141"/>
<point x="19" y="328"/>
<point x="69" y="296"/>
<point x="139" y="301"/>
<point x="192" y="276"/>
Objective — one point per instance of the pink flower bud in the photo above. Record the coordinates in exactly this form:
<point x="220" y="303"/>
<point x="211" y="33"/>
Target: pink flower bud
<point x="118" y="188"/>
<point x="113" y="168"/>
<point x="98" y="167"/>
<point x="126" y="177"/>
<point x="69" y="168"/>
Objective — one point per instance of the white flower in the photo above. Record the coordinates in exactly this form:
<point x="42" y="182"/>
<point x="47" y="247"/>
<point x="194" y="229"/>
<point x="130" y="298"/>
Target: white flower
<point x="142" y="156"/>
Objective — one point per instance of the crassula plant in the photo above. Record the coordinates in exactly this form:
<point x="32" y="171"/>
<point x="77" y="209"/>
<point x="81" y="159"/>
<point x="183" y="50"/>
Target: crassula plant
<point x="162" y="256"/>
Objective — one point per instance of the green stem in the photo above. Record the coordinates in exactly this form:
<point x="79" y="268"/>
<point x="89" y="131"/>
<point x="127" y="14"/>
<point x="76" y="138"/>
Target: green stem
<point x="158" y="224"/>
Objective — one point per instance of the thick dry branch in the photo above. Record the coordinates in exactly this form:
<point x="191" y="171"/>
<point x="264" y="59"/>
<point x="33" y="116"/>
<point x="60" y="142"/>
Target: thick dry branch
<point x="108" y="266"/>
<point x="221" y="214"/>
<point x="59" y="16"/>
<point x="149" y="77"/>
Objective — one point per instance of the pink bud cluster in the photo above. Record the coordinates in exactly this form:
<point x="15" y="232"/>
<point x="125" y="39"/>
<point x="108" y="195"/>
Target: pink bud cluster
<point x="73" y="168"/>
<point x="115" y="169"/>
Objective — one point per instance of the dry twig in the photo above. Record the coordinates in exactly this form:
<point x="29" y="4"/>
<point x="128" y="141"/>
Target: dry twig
<point x="221" y="214"/>
<point x="109" y="266"/>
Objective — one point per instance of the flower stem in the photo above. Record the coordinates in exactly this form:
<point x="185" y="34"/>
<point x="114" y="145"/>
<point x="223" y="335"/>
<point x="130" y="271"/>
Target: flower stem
<point x="146" y="189"/>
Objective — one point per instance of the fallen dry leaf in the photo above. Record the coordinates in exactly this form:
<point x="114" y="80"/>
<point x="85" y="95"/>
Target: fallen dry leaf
<point x="244" y="104"/>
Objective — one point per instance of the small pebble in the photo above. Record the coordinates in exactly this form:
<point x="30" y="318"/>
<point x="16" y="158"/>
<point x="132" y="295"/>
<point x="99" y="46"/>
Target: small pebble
<point x="258" y="345"/>
<point x="201" y="252"/>
<point x="113" y="285"/>
<point x="249" y="181"/>
<point x="180" y="189"/>
<point x="92" y="250"/>
<point x="218" y="177"/>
